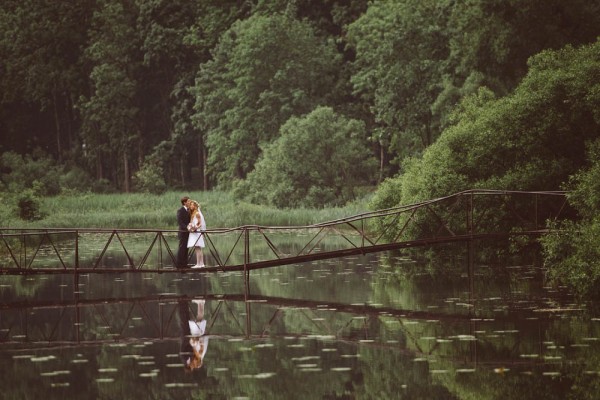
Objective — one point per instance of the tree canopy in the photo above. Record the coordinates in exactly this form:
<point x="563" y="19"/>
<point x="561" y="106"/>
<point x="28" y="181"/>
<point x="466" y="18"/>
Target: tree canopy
<point x="319" y="159"/>
<point x="532" y="139"/>
<point x="265" y="69"/>
<point x="190" y="94"/>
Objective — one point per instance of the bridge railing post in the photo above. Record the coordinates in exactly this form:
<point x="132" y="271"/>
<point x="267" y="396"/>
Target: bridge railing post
<point x="24" y="258"/>
<point x="76" y="250"/>
<point x="246" y="260"/>
<point x="470" y="226"/>
<point x="470" y="247"/>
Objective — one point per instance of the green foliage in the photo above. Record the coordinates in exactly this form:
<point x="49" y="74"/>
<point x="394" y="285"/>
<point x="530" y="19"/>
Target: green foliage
<point x="531" y="140"/>
<point x="149" y="179"/>
<point x="415" y="60"/>
<point x="75" y="180"/>
<point x="109" y="114"/>
<point x="103" y="186"/>
<point x="28" y="206"/>
<point x="319" y="160"/>
<point x="40" y="49"/>
<point x="37" y="172"/>
<point x="571" y="254"/>
<point x="400" y="53"/>
<point x="264" y="70"/>
<point x="584" y="186"/>
<point x="88" y="80"/>
<point x="41" y="174"/>
<point x="487" y="45"/>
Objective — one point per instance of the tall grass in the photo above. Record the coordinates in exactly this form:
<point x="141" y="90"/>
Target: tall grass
<point x="137" y="210"/>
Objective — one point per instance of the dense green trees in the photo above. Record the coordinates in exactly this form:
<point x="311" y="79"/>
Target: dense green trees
<point x="533" y="139"/>
<point x="41" y="74"/>
<point x="189" y="93"/>
<point x="416" y="59"/>
<point x="265" y="69"/>
<point x="400" y="53"/>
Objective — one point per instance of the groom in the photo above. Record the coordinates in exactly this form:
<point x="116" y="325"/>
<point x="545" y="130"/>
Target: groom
<point x="183" y="219"/>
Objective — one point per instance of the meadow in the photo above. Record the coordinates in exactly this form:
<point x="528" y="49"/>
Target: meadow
<point x="149" y="211"/>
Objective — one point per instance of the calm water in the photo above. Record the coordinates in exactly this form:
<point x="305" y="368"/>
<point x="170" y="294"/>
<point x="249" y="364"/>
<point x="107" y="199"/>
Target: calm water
<point x="370" y="327"/>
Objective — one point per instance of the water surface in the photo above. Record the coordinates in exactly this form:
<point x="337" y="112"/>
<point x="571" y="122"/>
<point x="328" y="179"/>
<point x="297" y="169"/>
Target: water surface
<point x="367" y="327"/>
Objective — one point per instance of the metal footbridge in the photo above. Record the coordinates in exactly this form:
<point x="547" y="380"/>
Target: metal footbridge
<point x="464" y="216"/>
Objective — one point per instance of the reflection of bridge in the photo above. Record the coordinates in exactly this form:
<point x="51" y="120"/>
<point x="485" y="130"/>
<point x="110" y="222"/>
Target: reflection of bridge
<point x="460" y="217"/>
<point x="102" y="320"/>
<point x="28" y="325"/>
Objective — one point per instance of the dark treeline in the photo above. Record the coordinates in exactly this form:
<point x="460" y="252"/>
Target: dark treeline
<point x="289" y="102"/>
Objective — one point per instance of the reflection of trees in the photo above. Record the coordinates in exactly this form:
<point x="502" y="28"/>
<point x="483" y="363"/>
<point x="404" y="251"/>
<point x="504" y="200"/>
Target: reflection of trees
<point x="570" y="382"/>
<point x="302" y="280"/>
<point x="390" y="375"/>
<point x="501" y="344"/>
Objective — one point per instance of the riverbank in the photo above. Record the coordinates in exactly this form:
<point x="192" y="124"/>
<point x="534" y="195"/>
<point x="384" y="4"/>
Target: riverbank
<point x="148" y="211"/>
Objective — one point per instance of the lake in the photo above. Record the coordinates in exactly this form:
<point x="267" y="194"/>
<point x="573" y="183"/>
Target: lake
<point x="377" y="326"/>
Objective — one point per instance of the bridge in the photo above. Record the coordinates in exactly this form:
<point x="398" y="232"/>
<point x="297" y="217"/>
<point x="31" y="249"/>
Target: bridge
<point x="465" y="216"/>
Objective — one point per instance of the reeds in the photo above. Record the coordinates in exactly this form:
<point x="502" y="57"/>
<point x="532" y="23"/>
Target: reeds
<point x="148" y="211"/>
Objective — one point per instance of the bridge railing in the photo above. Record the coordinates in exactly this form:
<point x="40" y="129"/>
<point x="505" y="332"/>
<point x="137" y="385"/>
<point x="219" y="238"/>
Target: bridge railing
<point x="34" y="325"/>
<point x="162" y="316"/>
<point x="457" y="217"/>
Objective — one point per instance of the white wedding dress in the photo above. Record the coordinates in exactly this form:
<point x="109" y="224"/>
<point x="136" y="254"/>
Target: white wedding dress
<point x="196" y="239"/>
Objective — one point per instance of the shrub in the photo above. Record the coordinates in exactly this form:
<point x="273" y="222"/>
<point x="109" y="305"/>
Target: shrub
<point x="319" y="160"/>
<point x="149" y="179"/>
<point x="103" y="186"/>
<point x="37" y="171"/>
<point x="75" y="180"/>
<point x="29" y="206"/>
<point x="571" y="254"/>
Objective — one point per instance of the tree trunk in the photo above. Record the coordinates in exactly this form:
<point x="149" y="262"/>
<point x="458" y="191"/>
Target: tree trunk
<point x="69" y="119"/>
<point x="181" y="171"/>
<point x="99" y="174"/>
<point x="381" y="161"/>
<point x="204" y="173"/>
<point x="126" y="172"/>
<point x="201" y="161"/>
<point x="57" y="124"/>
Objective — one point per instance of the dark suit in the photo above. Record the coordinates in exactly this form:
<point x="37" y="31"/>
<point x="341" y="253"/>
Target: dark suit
<point x="185" y="348"/>
<point x="183" y="219"/>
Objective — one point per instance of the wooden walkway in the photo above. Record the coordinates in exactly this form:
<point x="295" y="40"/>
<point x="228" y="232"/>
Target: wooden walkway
<point x="464" y="216"/>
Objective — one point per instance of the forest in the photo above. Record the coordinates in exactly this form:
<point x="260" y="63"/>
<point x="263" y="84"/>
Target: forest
<point x="306" y="103"/>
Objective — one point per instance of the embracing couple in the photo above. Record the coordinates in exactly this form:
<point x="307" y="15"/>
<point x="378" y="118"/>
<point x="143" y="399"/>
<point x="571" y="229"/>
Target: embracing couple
<point x="191" y="225"/>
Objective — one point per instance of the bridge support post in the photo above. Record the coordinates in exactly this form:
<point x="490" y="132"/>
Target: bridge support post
<point x="246" y="261"/>
<point x="471" y="268"/>
<point x="247" y="280"/>
<point x="470" y="248"/>
<point x="76" y="250"/>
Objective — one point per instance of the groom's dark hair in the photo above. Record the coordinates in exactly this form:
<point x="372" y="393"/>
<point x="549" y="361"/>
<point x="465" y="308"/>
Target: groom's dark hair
<point x="184" y="199"/>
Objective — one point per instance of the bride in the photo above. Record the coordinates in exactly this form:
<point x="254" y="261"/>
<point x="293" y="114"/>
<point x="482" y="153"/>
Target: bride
<point x="196" y="226"/>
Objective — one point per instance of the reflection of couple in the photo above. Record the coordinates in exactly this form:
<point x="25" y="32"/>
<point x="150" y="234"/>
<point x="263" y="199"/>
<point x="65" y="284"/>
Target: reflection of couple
<point x="193" y="341"/>
<point x="191" y="225"/>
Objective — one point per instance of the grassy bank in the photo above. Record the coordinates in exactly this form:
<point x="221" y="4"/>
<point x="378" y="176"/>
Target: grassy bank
<point x="138" y="210"/>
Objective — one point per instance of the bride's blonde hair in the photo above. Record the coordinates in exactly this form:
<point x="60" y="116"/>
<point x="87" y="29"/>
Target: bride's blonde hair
<point x="195" y="211"/>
